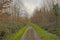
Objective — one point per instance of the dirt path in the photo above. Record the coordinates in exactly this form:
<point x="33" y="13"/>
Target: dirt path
<point x="30" y="34"/>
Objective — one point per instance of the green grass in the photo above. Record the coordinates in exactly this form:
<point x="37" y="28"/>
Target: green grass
<point x="44" y="34"/>
<point x="17" y="35"/>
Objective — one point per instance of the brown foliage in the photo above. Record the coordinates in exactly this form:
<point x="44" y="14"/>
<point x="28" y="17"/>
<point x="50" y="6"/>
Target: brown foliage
<point x="4" y="17"/>
<point x="43" y="18"/>
<point x="1" y="6"/>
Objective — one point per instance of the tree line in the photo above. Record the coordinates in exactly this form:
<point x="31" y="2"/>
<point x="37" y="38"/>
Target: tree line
<point x="48" y="16"/>
<point x="10" y="12"/>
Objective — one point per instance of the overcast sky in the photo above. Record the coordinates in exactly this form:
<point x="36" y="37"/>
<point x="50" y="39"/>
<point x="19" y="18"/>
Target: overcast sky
<point x="31" y="4"/>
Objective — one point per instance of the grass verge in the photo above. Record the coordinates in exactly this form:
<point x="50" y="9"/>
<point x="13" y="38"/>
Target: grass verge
<point x="44" y="34"/>
<point x="17" y="35"/>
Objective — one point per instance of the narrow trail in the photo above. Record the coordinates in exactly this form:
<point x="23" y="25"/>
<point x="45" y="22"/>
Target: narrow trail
<point x="30" y="34"/>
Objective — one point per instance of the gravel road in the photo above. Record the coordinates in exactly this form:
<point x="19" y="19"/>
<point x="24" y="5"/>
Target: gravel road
<point x="30" y="34"/>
